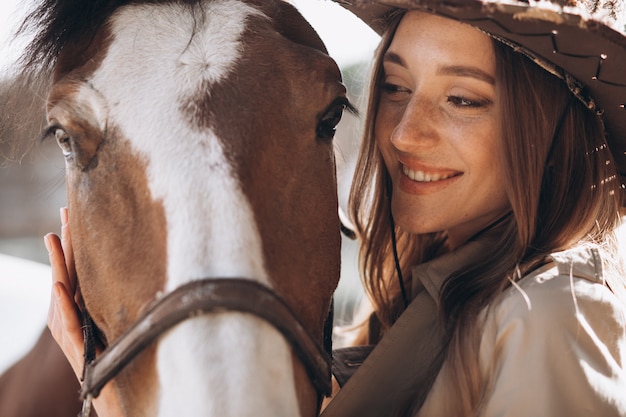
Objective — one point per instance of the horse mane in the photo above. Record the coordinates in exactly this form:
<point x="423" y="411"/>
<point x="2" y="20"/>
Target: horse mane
<point x="57" y="23"/>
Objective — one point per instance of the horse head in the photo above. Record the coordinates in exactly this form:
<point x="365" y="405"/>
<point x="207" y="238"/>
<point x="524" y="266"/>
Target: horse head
<point x="198" y="143"/>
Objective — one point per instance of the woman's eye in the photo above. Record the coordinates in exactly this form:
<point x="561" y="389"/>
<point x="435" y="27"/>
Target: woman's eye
<point x="326" y="127"/>
<point x="460" y="101"/>
<point x="64" y="141"/>
<point x="394" y="93"/>
<point x="393" y="88"/>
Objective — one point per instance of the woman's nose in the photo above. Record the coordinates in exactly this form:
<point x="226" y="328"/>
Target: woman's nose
<point x="417" y="127"/>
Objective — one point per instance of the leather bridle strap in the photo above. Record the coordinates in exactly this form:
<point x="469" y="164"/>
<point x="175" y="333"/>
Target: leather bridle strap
<point x="203" y="297"/>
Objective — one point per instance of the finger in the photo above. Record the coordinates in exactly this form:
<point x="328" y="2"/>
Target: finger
<point x="66" y="244"/>
<point x="62" y="313"/>
<point x="52" y="314"/>
<point x="57" y="262"/>
<point x="64" y="324"/>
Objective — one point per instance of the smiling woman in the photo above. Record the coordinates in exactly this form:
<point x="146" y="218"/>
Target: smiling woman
<point x="487" y="195"/>
<point x="436" y="127"/>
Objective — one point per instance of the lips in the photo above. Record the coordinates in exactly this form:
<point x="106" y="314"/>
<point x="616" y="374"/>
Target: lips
<point x="423" y="176"/>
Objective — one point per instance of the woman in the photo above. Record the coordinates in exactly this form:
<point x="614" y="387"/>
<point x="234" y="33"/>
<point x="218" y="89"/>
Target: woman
<point x="504" y="198"/>
<point x="494" y="184"/>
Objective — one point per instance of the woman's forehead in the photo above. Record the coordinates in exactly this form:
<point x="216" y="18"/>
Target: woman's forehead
<point x="422" y="36"/>
<point x="447" y="31"/>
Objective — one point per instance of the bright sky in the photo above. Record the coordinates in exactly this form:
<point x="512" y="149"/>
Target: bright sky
<point x="346" y="37"/>
<point x="9" y="18"/>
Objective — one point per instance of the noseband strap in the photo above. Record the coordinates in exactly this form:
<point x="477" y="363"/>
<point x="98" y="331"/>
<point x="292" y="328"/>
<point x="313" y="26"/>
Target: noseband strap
<point x="203" y="297"/>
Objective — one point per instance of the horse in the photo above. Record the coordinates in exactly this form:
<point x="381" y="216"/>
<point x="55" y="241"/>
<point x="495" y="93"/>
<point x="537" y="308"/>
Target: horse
<point x="197" y="138"/>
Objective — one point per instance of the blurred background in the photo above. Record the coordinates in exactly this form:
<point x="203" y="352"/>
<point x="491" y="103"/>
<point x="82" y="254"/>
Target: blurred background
<point x="32" y="183"/>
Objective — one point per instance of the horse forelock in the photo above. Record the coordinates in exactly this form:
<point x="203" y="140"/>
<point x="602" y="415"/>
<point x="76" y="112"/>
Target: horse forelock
<point x="59" y="23"/>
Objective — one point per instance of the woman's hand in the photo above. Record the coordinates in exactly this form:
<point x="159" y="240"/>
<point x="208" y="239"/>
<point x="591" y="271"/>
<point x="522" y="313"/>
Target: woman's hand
<point x="63" y="316"/>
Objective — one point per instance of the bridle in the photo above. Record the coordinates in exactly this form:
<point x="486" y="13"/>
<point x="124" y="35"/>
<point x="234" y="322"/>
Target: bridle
<point x="191" y="300"/>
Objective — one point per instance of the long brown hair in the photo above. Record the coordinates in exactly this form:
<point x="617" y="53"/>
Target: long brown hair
<point x="563" y="190"/>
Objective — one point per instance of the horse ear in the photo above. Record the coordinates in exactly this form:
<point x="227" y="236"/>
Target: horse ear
<point x="292" y="25"/>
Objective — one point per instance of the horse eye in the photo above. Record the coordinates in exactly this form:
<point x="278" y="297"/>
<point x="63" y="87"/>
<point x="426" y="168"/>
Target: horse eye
<point x="330" y="120"/>
<point x="64" y="141"/>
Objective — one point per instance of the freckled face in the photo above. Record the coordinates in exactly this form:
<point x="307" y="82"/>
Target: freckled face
<point x="437" y="128"/>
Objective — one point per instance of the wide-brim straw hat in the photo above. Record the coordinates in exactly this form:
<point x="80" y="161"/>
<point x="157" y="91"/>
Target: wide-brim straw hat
<point x="583" y="44"/>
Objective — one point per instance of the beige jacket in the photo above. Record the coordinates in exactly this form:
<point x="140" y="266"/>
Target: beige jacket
<point x="553" y="345"/>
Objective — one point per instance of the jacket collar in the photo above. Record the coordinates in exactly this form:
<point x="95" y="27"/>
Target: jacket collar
<point x="582" y="261"/>
<point x="430" y="276"/>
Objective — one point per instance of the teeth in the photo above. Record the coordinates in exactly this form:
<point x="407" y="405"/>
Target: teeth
<point x="421" y="176"/>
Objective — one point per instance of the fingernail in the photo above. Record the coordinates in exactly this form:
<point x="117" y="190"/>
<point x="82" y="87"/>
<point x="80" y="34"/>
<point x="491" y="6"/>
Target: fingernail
<point x="63" y="213"/>
<point x="47" y="244"/>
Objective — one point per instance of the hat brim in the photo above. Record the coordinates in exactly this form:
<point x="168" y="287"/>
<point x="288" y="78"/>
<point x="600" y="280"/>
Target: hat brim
<point x="561" y="40"/>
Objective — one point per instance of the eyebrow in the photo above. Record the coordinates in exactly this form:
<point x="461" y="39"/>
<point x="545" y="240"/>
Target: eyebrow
<point x="394" y="58"/>
<point x="463" y="71"/>
<point x="458" y="70"/>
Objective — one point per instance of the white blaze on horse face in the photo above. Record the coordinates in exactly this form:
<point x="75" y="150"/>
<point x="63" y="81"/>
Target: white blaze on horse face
<point x="230" y="363"/>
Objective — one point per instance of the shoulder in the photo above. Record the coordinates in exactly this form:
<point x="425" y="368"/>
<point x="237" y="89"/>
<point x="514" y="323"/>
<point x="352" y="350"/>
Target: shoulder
<point x="568" y="291"/>
<point x="559" y="323"/>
